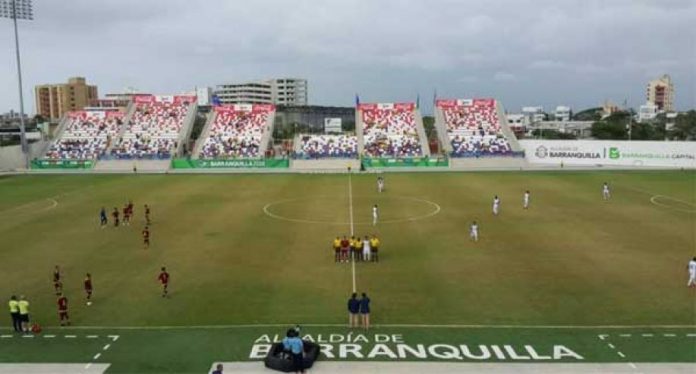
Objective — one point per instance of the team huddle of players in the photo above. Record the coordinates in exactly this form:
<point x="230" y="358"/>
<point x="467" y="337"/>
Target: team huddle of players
<point x="127" y="215"/>
<point x="366" y="249"/>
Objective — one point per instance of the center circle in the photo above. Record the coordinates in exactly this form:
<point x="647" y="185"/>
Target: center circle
<point x="673" y="203"/>
<point x="335" y="210"/>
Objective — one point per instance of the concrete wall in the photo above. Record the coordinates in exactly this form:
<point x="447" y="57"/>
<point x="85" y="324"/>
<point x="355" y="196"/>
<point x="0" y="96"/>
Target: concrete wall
<point x="11" y="157"/>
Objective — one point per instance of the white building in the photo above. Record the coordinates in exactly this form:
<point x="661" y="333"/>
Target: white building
<point x="533" y="114"/>
<point x="204" y="95"/>
<point x="284" y="91"/>
<point x="647" y="112"/>
<point x="562" y="113"/>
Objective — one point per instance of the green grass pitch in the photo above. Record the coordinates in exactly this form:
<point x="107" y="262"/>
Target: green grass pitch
<point x="250" y="254"/>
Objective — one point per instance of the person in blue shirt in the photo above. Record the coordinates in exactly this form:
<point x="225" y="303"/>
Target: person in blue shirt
<point x="296" y="349"/>
<point x="218" y="369"/>
<point x="365" y="310"/>
<point x="353" y="310"/>
<point x="102" y="217"/>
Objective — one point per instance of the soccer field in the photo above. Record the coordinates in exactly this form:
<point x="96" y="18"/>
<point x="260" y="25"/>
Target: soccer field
<point x="250" y="255"/>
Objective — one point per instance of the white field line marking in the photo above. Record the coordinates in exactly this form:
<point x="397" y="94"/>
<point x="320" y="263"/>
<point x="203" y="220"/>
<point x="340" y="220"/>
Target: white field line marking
<point x="70" y="336"/>
<point x="27" y="336"/>
<point x="611" y="346"/>
<point x="436" y="210"/>
<point x="625" y="335"/>
<point x="114" y="337"/>
<point x="54" y="203"/>
<point x="621" y="354"/>
<point x="96" y="356"/>
<point x="352" y="229"/>
<point x="49" y="336"/>
<point x="92" y="336"/>
<point x="434" y="326"/>
<point x="691" y="335"/>
<point x="669" y="335"/>
<point x="654" y="197"/>
<point x="106" y="347"/>
<point x="6" y="336"/>
<point x="632" y="365"/>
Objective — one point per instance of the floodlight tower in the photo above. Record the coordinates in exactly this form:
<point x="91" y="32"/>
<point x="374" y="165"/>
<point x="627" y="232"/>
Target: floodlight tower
<point x="19" y="9"/>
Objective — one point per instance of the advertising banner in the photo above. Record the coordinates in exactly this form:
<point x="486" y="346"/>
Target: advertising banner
<point x="143" y="99"/>
<point x="182" y="163"/>
<point x="611" y="153"/>
<point x="333" y="125"/>
<point x="405" y="162"/>
<point x="61" y="164"/>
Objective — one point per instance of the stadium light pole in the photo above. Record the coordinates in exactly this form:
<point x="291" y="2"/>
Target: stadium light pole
<point x="19" y="9"/>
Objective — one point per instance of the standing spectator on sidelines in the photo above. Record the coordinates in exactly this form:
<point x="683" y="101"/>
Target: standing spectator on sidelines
<point x="353" y="310"/>
<point x="365" y="310"/>
<point x="23" y="305"/>
<point x="14" y="313"/>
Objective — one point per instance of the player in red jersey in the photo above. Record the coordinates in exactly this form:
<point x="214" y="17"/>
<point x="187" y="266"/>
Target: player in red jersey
<point x="164" y="280"/>
<point x="126" y="216"/>
<point x="146" y="237"/>
<point x="57" y="284"/>
<point x="115" y="215"/>
<point x="63" y="310"/>
<point x="345" y="249"/>
<point x="88" y="288"/>
<point x="130" y="207"/>
<point x="147" y="214"/>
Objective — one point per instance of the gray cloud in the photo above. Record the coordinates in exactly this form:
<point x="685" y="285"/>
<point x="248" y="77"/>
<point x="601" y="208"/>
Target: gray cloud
<point x="524" y="52"/>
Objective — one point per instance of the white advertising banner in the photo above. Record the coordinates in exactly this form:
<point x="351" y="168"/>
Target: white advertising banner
<point x="333" y="125"/>
<point x="611" y="153"/>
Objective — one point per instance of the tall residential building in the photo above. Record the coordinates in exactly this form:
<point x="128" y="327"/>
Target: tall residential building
<point x="660" y="92"/>
<point x="53" y="100"/>
<point x="284" y="91"/>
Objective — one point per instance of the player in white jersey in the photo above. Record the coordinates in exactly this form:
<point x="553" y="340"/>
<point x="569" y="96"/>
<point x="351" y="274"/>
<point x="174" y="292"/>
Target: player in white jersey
<point x="605" y="191"/>
<point x="367" y="251"/>
<point x="692" y="273"/>
<point x="526" y="200"/>
<point x="375" y="215"/>
<point x="380" y="184"/>
<point x="474" y="232"/>
<point x="496" y="205"/>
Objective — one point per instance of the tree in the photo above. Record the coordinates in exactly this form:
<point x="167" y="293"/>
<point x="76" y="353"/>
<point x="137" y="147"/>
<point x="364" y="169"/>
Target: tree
<point x="592" y="114"/>
<point x="429" y="125"/>
<point x="613" y="127"/>
<point x="684" y="126"/>
<point x="553" y="134"/>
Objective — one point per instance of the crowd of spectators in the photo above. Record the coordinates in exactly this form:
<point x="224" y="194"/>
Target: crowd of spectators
<point x="235" y="134"/>
<point x="474" y="130"/>
<point x="390" y="133"/>
<point x="152" y="132"/>
<point x="328" y="146"/>
<point x="87" y="135"/>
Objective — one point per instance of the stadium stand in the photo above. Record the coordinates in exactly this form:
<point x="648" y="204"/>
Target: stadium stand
<point x="154" y="129"/>
<point x="237" y="131"/>
<point x="327" y="146"/>
<point x="473" y="128"/>
<point x="390" y="130"/>
<point x="86" y="136"/>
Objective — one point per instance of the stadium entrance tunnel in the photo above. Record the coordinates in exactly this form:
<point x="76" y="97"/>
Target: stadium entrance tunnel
<point x="280" y="361"/>
<point x="335" y="210"/>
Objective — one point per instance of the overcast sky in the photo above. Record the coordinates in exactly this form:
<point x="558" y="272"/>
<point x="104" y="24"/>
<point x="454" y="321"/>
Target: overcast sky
<point x="534" y="52"/>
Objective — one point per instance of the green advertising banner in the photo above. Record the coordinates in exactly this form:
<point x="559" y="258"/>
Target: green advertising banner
<point x="405" y="162"/>
<point x="183" y="163"/>
<point x="61" y="164"/>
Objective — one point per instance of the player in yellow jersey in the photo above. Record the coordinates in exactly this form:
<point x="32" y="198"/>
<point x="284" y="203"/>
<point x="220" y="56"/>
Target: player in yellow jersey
<point x="337" y="249"/>
<point x="374" y="247"/>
